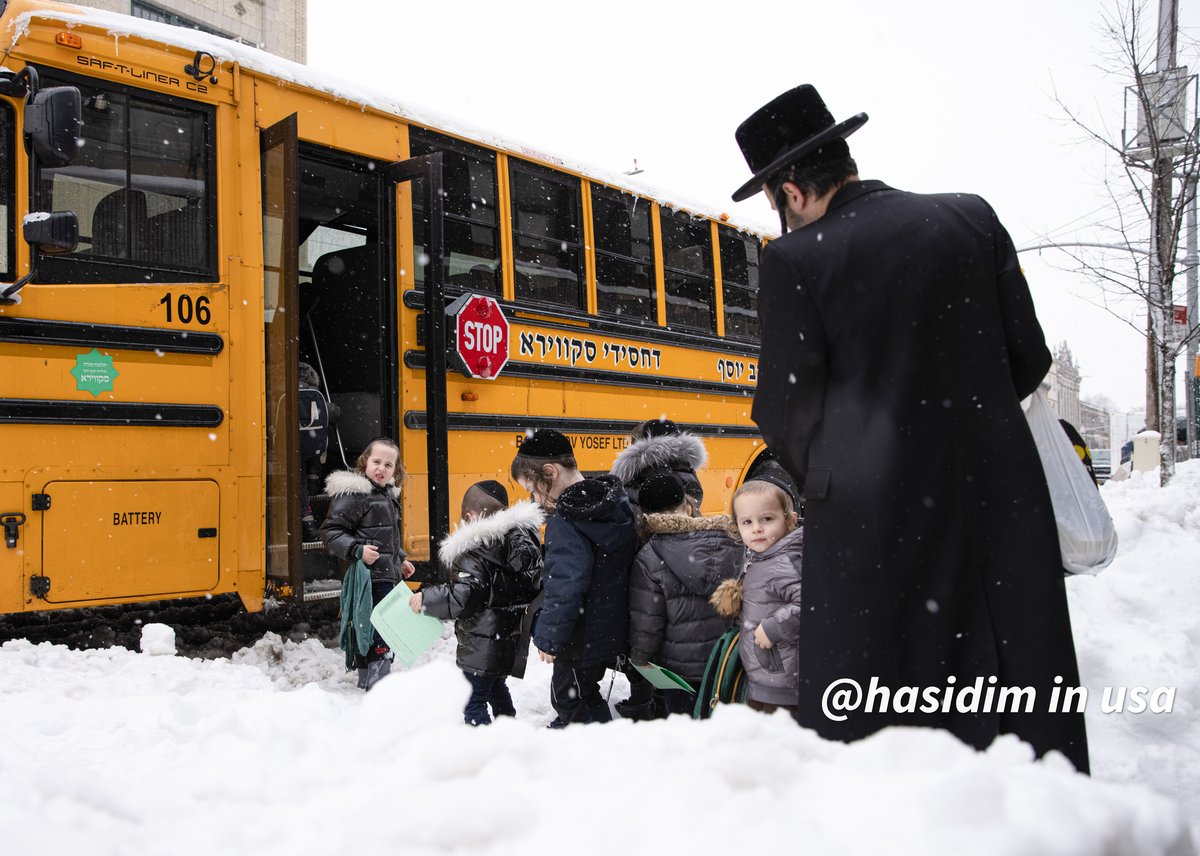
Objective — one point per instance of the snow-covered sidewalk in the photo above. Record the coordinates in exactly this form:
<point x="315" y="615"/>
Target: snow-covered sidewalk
<point x="275" y="752"/>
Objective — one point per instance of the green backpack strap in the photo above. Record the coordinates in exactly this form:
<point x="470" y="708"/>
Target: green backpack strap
<point x="704" y="692"/>
<point x="724" y="678"/>
<point x="730" y="674"/>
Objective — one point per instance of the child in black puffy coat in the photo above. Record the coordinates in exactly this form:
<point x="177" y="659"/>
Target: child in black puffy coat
<point x="494" y="564"/>
<point x="671" y="622"/>
<point x="363" y="522"/>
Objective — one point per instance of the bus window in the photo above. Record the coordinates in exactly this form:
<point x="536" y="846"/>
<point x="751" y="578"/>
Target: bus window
<point x="624" y="255"/>
<point x="470" y="231"/>
<point x="546" y="215"/>
<point x="142" y="188"/>
<point x="739" y="282"/>
<point x="8" y="261"/>
<point x="688" y="271"/>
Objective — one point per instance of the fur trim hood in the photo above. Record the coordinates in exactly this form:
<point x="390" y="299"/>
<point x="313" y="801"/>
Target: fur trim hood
<point x="345" y="482"/>
<point x="681" y="524"/>
<point x="653" y="452"/>
<point x="490" y="530"/>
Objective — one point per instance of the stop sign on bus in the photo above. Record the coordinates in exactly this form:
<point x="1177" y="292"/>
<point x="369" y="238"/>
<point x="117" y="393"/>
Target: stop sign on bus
<point x="479" y="333"/>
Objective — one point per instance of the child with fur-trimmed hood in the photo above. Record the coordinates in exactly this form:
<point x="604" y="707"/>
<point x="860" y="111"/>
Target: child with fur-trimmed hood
<point x="685" y="558"/>
<point x="659" y="444"/>
<point x="363" y="522"/>
<point x="494" y="563"/>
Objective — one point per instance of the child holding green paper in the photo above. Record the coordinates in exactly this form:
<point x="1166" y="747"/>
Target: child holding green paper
<point x="672" y="623"/>
<point x="494" y="563"/>
<point x="363" y="522"/>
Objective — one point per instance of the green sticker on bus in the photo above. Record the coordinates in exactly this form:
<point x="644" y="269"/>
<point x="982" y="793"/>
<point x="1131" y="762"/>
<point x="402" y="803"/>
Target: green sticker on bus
<point x="94" y="372"/>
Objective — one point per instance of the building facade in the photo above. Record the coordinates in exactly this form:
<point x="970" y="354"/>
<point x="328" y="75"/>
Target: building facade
<point x="1062" y="385"/>
<point x="1095" y="426"/>
<point x="276" y="26"/>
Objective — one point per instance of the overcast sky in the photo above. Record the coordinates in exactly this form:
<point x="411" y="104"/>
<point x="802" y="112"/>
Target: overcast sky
<point x="960" y="95"/>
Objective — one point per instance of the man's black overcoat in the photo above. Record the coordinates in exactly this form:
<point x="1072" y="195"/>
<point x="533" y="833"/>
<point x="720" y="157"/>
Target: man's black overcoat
<point x="898" y="337"/>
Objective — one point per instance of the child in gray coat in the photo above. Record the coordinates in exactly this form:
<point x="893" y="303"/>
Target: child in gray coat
<point x="767" y="597"/>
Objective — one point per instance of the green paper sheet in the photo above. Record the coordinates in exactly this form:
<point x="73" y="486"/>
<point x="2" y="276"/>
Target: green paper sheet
<point x="408" y="635"/>
<point x="664" y="679"/>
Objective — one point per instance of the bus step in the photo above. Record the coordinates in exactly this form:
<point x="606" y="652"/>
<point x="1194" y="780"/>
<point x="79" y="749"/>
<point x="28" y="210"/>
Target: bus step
<point x="322" y="594"/>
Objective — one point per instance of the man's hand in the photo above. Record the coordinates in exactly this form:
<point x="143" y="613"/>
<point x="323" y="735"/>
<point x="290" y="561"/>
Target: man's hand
<point x="544" y="657"/>
<point x="407" y="569"/>
<point x="760" y="638"/>
<point x="414" y="603"/>
<point x="370" y="554"/>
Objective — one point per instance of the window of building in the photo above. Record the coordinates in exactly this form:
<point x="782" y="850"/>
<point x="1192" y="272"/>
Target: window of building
<point x="624" y="255"/>
<point x="150" y="12"/>
<point x="688" y="271"/>
<point x="142" y="187"/>
<point x="739" y="282"/>
<point x="471" y="234"/>
<point x="8" y="262"/>
<point x="548" y="255"/>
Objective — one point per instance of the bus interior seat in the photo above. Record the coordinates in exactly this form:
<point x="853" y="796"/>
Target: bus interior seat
<point x="115" y="215"/>
<point x="177" y="237"/>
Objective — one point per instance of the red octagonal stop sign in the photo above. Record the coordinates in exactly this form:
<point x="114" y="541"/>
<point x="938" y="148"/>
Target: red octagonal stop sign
<point x="480" y="336"/>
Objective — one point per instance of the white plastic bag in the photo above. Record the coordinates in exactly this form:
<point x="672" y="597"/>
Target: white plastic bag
<point x="1086" y="533"/>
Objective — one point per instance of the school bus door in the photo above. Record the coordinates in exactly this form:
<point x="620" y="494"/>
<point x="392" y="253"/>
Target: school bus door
<point x="281" y="325"/>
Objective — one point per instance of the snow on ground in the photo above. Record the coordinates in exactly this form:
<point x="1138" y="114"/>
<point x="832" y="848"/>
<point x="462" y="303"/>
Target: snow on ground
<point x="1137" y="623"/>
<point x="275" y="752"/>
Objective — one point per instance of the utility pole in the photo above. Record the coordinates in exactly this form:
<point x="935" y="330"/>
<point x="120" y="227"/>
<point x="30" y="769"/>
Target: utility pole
<point x="1160" y="362"/>
<point x="1190" y="260"/>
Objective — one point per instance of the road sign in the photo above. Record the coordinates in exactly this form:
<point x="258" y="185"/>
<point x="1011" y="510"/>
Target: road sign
<point x="479" y="336"/>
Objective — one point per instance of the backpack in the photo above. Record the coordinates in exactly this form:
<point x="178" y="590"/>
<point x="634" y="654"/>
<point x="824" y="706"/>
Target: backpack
<point x="724" y="680"/>
<point x="313" y="411"/>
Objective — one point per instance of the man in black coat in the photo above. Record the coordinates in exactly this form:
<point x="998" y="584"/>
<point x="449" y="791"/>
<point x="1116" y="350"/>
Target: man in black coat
<point x="898" y="338"/>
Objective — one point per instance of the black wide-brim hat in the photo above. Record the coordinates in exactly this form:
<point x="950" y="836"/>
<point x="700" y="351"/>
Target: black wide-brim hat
<point x="795" y="127"/>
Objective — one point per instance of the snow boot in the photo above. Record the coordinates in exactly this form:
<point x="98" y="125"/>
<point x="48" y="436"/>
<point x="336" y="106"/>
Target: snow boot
<point x="376" y="670"/>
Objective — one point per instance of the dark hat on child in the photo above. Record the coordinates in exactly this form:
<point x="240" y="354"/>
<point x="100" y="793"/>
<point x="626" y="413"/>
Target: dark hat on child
<point x="545" y="443"/>
<point x="659" y="428"/>
<point x="782" y="484"/>
<point x="795" y="128"/>
<point x="660" y="490"/>
<point x="493" y="489"/>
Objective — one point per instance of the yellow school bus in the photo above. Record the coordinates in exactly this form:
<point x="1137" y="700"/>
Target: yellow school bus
<point x="201" y="223"/>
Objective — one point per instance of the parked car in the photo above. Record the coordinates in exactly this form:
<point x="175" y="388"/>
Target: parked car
<point x="1102" y="464"/>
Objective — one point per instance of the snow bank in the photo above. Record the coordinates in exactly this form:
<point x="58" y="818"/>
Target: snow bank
<point x="1137" y="623"/>
<point x="121" y="753"/>
<point x="275" y="752"/>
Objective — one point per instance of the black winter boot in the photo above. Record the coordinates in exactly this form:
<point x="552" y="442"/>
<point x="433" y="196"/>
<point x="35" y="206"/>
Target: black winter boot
<point x="376" y="671"/>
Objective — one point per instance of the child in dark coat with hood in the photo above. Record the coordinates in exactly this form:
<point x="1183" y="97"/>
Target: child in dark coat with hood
<point x="672" y="623"/>
<point x="656" y="444"/>
<point x="363" y="522"/>
<point x="494" y="564"/>
<point x="591" y="539"/>
<point x="659" y="444"/>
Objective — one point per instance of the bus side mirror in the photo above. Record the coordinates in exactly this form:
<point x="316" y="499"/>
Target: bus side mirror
<point x="52" y="233"/>
<point x="53" y="119"/>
